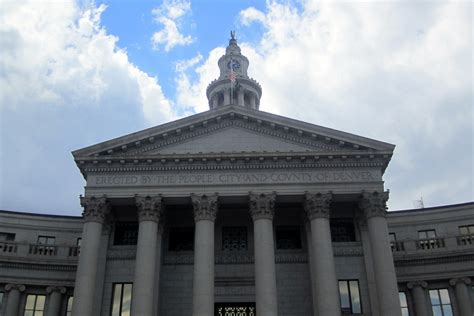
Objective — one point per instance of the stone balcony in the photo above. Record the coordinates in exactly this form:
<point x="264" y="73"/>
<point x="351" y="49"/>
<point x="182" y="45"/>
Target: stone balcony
<point x="441" y="248"/>
<point x="19" y="251"/>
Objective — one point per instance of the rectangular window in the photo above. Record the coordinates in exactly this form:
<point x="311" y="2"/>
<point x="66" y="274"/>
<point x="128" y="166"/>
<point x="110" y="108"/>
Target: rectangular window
<point x="34" y="305"/>
<point x="403" y="303"/>
<point x="7" y="236"/>
<point x="126" y="233"/>
<point x="121" y="299"/>
<point x="45" y="246"/>
<point x="440" y="302"/>
<point x="181" y="239"/>
<point x="342" y="229"/>
<point x="2" y="295"/>
<point x="288" y="237"/>
<point x="467" y="230"/>
<point x="70" y="301"/>
<point x="428" y="239"/>
<point x="234" y="238"/>
<point x="350" y="297"/>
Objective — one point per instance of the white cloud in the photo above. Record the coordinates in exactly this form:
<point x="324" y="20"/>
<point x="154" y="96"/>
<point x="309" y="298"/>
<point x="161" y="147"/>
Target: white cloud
<point x="169" y="15"/>
<point x="399" y="72"/>
<point x="58" y="54"/>
<point x="65" y="84"/>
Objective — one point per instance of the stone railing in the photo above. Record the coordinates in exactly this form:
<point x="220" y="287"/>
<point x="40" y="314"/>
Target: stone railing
<point x="26" y="250"/>
<point x="397" y="246"/>
<point x="465" y="240"/>
<point x="430" y="243"/>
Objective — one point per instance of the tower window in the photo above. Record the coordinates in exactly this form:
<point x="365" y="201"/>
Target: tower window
<point x="181" y="239"/>
<point x="342" y="230"/>
<point x="126" y="233"/>
<point x="288" y="237"/>
<point x="234" y="238"/>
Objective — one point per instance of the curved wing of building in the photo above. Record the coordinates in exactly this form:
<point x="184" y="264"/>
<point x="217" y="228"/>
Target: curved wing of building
<point x="235" y="211"/>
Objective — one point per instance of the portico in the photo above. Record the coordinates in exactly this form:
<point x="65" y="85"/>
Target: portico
<point x="228" y="191"/>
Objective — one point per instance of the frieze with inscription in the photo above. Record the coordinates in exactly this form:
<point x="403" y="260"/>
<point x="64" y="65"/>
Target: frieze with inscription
<point x="226" y="178"/>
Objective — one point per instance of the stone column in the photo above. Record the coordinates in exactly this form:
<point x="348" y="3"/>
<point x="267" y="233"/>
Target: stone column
<point x="54" y="302"/>
<point x="418" y="291"/>
<point x="95" y="212"/>
<point x="317" y="207"/>
<point x="311" y="264"/>
<point x="13" y="298"/>
<point x="205" y="211"/>
<point x="215" y="100"/>
<point x="374" y="207"/>
<point x="240" y="97"/>
<point x="253" y="101"/>
<point x="463" y="298"/>
<point x="149" y="213"/>
<point x="262" y="211"/>
<point x="227" y="97"/>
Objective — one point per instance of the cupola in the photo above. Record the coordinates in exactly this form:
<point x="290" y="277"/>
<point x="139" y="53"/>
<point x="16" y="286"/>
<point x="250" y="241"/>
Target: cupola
<point x="234" y="86"/>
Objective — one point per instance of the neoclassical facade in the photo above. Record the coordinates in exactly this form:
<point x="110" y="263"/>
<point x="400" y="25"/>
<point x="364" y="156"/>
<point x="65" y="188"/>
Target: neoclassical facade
<point x="235" y="211"/>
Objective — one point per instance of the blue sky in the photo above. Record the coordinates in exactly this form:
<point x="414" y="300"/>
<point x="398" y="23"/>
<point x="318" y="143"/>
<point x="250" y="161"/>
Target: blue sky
<point x="74" y="73"/>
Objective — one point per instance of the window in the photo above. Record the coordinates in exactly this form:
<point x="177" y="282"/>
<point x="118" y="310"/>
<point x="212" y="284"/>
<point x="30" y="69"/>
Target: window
<point x="467" y="235"/>
<point x="44" y="246"/>
<point x="428" y="240"/>
<point x="288" y="237"/>
<point x="440" y="302"/>
<point x="34" y="305"/>
<point x="2" y="295"/>
<point x="467" y="230"/>
<point x="394" y="244"/>
<point x="46" y="240"/>
<point x="122" y="299"/>
<point x="126" y="233"/>
<point x="234" y="238"/>
<point x="342" y="230"/>
<point x="403" y="303"/>
<point x="350" y="297"/>
<point x="231" y="309"/>
<point x="181" y="239"/>
<point x="70" y="301"/>
<point x="7" y="236"/>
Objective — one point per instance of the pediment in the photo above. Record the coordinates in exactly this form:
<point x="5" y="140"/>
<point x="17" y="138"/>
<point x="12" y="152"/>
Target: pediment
<point x="233" y="129"/>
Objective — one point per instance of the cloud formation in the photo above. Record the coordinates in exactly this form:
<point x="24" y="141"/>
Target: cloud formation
<point x="65" y="85"/>
<point x="169" y="15"/>
<point x="399" y="72"/>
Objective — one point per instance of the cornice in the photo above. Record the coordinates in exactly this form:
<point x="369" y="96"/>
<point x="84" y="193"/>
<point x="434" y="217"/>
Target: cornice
<point x="425" y="260"/>
<point x="247" y="162"/>
<point x="288" y="129"/>
<point x="36" y="266"/>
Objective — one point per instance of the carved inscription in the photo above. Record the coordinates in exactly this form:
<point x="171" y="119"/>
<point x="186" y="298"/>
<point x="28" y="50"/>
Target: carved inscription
<point x="233" y="178"/>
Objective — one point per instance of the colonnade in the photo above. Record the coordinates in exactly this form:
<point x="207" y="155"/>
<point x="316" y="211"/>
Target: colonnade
<point x="54" y="301"/>
<point x="261" y="207"/>
<point x="419" y="291"/>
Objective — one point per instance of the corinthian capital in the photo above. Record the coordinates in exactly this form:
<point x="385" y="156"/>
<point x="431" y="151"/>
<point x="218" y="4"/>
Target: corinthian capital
<point x="374" y="203"/>
<point x="262" y="205"/>
<point x="95" y="209"/>
<point x="204" y="206"/>
<point x="317" y="205"/>
<point x="149" y="208"/>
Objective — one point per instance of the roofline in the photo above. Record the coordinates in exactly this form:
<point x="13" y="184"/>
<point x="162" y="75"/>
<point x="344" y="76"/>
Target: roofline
<point x="40" y="214"/>
<point x="427" y="209"/>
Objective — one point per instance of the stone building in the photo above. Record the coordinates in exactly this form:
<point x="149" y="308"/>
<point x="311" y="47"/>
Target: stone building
<point x="235" y="211"/>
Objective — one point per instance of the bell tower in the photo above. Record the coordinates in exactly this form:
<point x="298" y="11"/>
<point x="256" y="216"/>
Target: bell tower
<point x="234" y="86"/>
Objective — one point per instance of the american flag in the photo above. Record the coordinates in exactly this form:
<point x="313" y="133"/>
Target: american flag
<point x="232" y="75"/>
